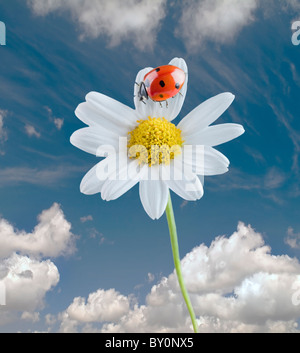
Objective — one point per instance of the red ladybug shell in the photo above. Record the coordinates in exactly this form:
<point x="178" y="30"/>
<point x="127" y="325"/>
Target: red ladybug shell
<point x="164" y="82"/>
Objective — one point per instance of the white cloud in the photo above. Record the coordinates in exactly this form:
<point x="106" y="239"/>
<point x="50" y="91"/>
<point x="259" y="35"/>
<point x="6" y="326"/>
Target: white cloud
<point x="292" y="238"/>
<point x="236" y="285"/>
<point x="290" y="4"/>
<point x="274" y="178"/>
<point x="31" y="131"/>
<point x="26" y="292"/>
<point x="85" y="219"/>
<point x="151" y="277"/>
<point x="24" y="277"/>
<point x="30" y="316"/>
<point x="50" y="176"/>
<point x="100" y="306"/>
<point x="3" y="114"/>
<point x="50" y="319"/>
<point x="219" y="21"/>
<point x="58" y="122"/>
<point x="95" y="234"/>
<point x="117" y="20"/>
<point x="51" y="237"/>
<point x="215" y="20"/>
<point x="266" y="184"/>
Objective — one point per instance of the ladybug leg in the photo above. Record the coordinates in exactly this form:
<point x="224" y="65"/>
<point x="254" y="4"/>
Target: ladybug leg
<point x="142" y="92"/>
<point x="167" y="104"/>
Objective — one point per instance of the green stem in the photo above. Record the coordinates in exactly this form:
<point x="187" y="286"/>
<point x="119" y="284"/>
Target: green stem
<point x="176" y="257"/>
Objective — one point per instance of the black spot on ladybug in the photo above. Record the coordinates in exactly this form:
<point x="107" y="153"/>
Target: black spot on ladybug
<point x="177" y="85"/>
<point x="147" y="83"/>
<point x="162" y="83"/>
<point x="161" y="96"/>
<point x="158" y="69"/>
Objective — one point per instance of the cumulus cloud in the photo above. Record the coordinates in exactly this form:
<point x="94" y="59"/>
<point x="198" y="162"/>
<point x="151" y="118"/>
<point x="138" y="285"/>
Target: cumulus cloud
<point x="23" y="292"/>
<point x="117" y="20"/>
<point x="214" y="20"/>
<point x="30" y="316"/>
<point x="236" y="285"/>
<point x="51" y="237"/>
<point x="24" y="277"/>
<point x="100" y="306"/>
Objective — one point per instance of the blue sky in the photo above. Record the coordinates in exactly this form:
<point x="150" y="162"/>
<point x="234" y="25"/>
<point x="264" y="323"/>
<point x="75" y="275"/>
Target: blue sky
<point x="56" y="53"/>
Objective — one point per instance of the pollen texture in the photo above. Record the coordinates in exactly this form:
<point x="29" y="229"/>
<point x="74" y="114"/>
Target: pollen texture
<point x="154" y="141"/>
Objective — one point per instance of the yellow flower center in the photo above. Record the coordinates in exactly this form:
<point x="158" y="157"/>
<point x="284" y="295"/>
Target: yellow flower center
<point x="154" y="141"/>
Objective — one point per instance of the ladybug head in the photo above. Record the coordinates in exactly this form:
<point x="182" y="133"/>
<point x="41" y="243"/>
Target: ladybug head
<point x="143" y="94"/>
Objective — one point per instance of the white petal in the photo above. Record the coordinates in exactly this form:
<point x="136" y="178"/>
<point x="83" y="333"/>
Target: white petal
<point x="112" y="110"/>
<point x="89" y="139"/>
<point x="91" y="183"/>
<point x="205" y="114"/>
<point x="149" y="108"/>
<point x="215" y="135"/>
<point x="92" y="116"/>
<point x="154" y="197"/>
<point x="175" y="104"/>
<point x="215" y="163"/>
<point x="189" y="187"/>
<point x="113" y="189"/>
<point x="155" y="109"/>
<point x="205" y="160"/>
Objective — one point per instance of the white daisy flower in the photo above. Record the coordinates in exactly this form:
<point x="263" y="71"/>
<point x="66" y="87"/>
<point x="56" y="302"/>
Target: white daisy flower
<point x="150" y="124"/>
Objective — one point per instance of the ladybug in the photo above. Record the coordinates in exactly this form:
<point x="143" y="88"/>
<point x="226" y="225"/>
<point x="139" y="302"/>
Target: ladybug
<point x="161" y="83"/>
